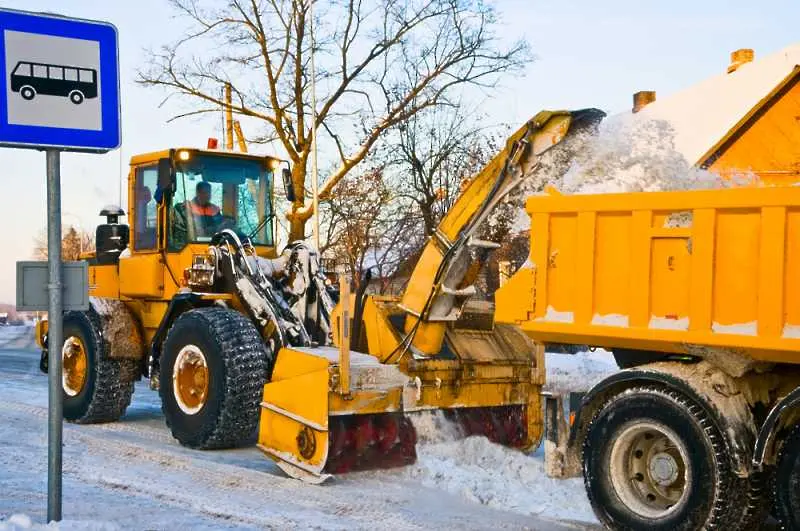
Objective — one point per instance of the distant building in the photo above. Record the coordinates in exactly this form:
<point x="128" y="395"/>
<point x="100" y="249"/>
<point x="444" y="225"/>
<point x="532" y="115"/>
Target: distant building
<point x="744" y="120"/>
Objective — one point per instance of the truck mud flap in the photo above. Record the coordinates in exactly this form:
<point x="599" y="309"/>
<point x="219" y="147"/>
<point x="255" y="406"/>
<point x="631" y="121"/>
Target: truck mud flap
<point x="561" y="460"/>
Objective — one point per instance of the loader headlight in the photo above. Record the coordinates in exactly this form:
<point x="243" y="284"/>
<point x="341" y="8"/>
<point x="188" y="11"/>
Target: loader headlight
<point x="201" y="273"/>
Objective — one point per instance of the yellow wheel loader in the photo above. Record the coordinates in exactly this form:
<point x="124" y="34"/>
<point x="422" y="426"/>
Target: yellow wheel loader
<point x="239" y="339"/>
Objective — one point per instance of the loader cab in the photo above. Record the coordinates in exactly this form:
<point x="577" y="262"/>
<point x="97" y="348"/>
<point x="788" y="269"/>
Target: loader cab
<point x="170" y="220"/>
<point x="167" y="212"/>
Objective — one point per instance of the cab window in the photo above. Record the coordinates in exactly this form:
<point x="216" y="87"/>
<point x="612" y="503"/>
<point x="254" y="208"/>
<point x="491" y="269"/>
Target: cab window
<point x="214" y="193"/>
<point x="145" y="216"/>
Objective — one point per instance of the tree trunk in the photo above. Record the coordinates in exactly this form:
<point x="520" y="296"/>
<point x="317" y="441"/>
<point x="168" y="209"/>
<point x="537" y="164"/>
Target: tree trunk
<point x="297" y="228"/>
<point x="298" y="219"/>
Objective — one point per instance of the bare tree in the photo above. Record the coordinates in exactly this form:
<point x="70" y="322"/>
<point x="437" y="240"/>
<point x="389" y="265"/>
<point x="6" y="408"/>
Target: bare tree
<point x="433" y="154"/>
<point x="379" y="63"/>
<point x="73" y="243"/>
<point x="367" y="227"/>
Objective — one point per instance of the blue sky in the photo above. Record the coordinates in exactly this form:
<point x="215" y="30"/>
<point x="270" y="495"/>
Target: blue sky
<point x="589" y="53"/>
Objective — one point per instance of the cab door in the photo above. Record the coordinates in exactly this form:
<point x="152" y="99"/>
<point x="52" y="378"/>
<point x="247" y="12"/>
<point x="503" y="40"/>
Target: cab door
<point x="141" y="275"/>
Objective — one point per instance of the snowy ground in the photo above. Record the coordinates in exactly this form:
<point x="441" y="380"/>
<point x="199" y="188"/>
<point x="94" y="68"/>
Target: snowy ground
<point x="133" y="475"/>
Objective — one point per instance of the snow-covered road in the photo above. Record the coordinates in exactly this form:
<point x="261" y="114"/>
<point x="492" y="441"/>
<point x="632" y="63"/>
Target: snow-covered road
<point x="132" y="475"/>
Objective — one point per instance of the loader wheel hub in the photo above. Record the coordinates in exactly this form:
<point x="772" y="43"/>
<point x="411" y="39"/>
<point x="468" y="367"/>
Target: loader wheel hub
<point x="664" y="469"/>
<point x="190" y="379"/>
<point x="649" y="469"/>
<point x="74" y="363"/>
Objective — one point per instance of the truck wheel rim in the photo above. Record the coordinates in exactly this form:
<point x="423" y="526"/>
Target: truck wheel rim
<point x="649" y="469"/>
<point x="73" y="365"/>
<point x="190" y="379"/>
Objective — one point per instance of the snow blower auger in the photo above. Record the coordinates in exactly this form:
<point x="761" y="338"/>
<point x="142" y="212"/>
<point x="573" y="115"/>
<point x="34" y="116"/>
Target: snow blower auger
<point x="332" y="410"/>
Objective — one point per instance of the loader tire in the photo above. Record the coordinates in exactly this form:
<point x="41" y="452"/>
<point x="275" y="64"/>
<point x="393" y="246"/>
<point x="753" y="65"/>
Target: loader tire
<point x="787" y="482"/>
<point x="654" y="459"/>
<point x="213" y="370"/>
<point x="96" y="388"/>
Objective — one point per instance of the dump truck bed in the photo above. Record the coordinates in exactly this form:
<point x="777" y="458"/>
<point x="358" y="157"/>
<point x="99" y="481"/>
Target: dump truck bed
<point x="694" y="272"/>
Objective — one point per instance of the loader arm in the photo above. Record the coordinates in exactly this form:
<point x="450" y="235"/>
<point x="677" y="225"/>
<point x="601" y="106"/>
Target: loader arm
<point x="442" y="279"/>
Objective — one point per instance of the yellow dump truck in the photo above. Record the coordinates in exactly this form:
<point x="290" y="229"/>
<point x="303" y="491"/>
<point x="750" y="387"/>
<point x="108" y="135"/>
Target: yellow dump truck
<point x="697" y="294"/>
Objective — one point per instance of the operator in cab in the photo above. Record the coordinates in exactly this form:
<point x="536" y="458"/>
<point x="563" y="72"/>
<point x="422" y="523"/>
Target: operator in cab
<point x="206" y="215"/>
<point x="198" y="218"/>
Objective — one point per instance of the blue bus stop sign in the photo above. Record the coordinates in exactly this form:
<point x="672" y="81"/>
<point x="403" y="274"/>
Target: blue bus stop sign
<point x="59" y="83"/>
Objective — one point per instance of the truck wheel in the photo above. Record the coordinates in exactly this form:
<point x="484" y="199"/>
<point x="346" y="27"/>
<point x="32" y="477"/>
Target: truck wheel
<point x="787" y="482"/>
<point x="96" y="389"/>
<point x="213" y="370"/>
<point x="652" y="459"/>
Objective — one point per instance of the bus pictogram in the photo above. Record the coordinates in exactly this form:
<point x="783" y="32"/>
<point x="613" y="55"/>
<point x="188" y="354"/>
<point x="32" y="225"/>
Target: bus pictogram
<point x="30" y="79"/>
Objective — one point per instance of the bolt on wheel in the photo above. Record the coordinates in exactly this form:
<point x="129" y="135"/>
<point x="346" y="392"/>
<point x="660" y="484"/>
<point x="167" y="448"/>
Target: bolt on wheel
<point x="190" y="379"/>
<point x="74" y="365"/>
<point x="649" y="470"/>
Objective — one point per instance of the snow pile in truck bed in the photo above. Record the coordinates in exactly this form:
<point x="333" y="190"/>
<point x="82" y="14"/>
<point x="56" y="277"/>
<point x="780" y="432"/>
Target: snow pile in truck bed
<point x="628" y="153"/>
<point x="633" y="154"/>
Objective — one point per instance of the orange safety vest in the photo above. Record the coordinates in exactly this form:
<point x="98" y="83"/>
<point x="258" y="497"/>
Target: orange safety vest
<point x="207" y="210"/>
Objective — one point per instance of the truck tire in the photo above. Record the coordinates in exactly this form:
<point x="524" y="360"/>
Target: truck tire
<point x="653" y="459"/>
<point x="96" y="388"/>
<point x="214" y="366"/>
<point x="787" y="482"/>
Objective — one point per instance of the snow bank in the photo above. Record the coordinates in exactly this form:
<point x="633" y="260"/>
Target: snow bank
<point x="492" y="475"/>
<point x="23" y="522"/>
<point x="577" y="372"/>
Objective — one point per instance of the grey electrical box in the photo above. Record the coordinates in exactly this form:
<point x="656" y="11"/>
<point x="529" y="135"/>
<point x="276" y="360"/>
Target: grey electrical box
<point x="32" y="280"/>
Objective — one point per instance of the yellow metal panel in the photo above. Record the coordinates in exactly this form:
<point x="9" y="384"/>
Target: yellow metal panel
<point x="428" y="336"/>
<point x="471" y="198"/>
<point x="639" y="293"/>
<point x="382" y="338"/>
<point x="305" y="399"/>
<point x="141" y="275"/>
<point x="612" y="264"/>
<point x="561" y="262"/>
<point x="736" y="267"/>
<point x="770" y="274"/>
<point x="362" y="402"/>
<point x="540" y="244"/>
<point x="670" y="269"/>
<point x="792" y="271"/>
<point x="584" y="270"/>
<point x="417" y="293"/>
<point x="290" y="363"/>
<point x="514" y="300"/>
<point x="702" y="277"/>
<point x="104" y="281"/>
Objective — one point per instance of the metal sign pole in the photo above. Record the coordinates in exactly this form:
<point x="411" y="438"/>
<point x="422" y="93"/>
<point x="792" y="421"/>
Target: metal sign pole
<point x="54" y="336"/>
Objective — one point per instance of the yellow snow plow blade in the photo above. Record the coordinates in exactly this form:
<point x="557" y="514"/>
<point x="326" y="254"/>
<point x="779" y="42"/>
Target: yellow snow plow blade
<point x="311" y="429"/>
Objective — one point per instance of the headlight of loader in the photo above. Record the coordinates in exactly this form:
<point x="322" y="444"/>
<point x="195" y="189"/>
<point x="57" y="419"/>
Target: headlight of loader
<point x="201" y="273"/>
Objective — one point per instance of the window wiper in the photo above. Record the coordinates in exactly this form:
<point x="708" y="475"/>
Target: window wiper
<point x="260" y="226"/>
